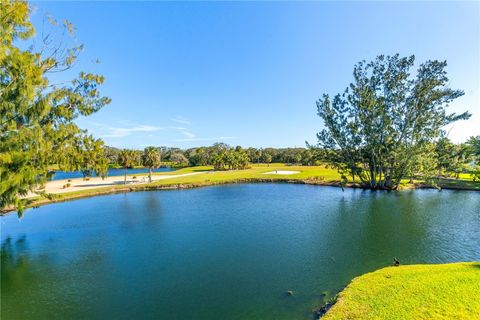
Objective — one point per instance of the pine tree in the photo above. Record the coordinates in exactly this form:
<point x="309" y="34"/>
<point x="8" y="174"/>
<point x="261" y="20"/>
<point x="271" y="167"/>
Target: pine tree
<point x="37" y="126"/>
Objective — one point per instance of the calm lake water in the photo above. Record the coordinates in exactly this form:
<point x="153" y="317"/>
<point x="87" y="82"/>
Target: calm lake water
<point x="112" y="172"/>
<point x="224" y="252"/>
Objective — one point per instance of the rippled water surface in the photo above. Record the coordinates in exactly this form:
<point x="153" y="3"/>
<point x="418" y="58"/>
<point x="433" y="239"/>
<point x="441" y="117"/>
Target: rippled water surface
<point x="225" y="252"/>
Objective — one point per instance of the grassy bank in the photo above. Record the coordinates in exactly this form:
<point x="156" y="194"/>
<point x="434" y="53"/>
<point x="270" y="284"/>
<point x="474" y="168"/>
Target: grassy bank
<point x="318" y="175"/>
<point x="306" y="174"/>
<point x="447" y="291"/>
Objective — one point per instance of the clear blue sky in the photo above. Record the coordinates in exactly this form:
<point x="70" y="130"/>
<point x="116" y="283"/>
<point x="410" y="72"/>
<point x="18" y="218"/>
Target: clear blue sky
<point x="189" y="74"/>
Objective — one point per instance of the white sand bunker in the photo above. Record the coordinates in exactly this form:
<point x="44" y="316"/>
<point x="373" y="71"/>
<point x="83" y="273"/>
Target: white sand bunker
<point x="282" y="172"/>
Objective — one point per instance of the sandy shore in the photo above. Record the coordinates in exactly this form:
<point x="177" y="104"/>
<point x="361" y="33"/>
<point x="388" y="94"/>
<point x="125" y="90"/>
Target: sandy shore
<point x="78" y="184"/>
<point x="282" y="172"/>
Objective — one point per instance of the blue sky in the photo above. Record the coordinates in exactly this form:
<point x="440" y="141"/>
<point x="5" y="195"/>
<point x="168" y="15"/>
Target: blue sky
<point x="249" y="73"/>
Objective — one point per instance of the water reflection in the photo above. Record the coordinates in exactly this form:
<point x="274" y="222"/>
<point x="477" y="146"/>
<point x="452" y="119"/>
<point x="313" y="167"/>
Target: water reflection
<point x="14" y="262"/>
<point x="153" y="211"/>
<point x="40" y="284"/>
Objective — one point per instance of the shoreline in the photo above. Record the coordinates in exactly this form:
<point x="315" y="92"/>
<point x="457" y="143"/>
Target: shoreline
<point x="121" y="188"/>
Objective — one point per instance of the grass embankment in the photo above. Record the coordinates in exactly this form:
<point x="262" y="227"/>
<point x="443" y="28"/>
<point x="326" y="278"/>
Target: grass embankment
<point x="256" y="172"/>
<point x="445" y="291"/>
<point x="464" y="183"/>
<point x="319" y="175"/>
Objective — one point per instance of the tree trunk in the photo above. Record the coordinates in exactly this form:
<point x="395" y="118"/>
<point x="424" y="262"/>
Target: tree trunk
<point x="150" y="174"/>
<point x="373" y="184"/>
<point x="125" y="180"/>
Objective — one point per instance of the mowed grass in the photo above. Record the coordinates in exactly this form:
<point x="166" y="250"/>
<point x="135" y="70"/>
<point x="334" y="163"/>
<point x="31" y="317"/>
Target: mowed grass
<point x="445" y="291"/>
<point x="318" y="174"/>
<point x="257" y="171"/>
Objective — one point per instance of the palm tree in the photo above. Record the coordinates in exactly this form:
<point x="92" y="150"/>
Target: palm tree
<point x="151" y="160"/>
<point x="126" y="159"/>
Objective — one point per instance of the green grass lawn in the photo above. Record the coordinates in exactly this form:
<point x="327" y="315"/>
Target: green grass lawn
<point x="256" y="171"/>
<point x="445" y="291"/>
<point x="317" y="174"/>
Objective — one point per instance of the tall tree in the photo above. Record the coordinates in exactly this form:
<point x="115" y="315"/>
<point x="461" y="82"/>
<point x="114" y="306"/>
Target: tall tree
<point x="37" y="126"/>
<point x="111" y="153"/>
<point x="178" y="158"/>
<point x="381" y="123"/>
<point x="126" y="159"/>
<point x="266" y="157"/>
<point x="473" y="144"/>
<point x="89" y="157"/>
<point x="219" y="160"/>
<point x="198" y="156"/>
<point x="151" y="160"/>
<point x="424" y="165"/>
<point x="451" y="157"/>
<point x="474" y="147"/>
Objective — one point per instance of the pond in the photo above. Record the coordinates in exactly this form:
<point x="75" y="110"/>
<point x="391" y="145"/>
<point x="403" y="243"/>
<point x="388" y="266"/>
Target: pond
<point x="112" y="172"/>
<point x="222" y="252"/>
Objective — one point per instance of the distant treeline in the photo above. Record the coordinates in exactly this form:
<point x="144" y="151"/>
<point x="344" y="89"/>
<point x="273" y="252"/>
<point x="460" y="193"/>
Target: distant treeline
<point x="451" y="159"/>
<point x="223" y="156"/>
<point x="444" y="159"/>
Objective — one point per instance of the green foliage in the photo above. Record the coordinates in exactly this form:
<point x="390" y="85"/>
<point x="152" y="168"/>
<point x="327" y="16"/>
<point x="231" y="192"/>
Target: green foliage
<point x="424" y="165"/>
<point x="266" y="157"/>
<point x="385" y="119"/>
<point x="151" y="160"/>
<point x="230" y="159"/>
<point x="473" y="145"/>
<point x="198" y="156"/>
<point x="179" y="159"/>
<point x="112" y="155"/>
<point x="126" y="159"/>
<point x="36" y="116"/>
<point x="452" y="158"/>
<point x="206" y="155"/>
<point x="89" y="157"/>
